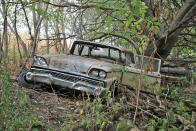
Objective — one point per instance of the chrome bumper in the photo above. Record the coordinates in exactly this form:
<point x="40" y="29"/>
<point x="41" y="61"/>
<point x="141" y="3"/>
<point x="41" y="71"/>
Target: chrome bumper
<point x="80" y="85"/>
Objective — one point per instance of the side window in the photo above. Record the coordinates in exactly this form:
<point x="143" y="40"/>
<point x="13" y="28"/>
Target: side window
<point x="97" y="51"/>
<point x="114" y="53"/>
<point x="149" y="64"/>
<point x="85" y="50"/>
<point x="81" y="49"/>
<point x="128" y="59"/>
<point x="76" y="50"/>
<point x="123" y="56"/>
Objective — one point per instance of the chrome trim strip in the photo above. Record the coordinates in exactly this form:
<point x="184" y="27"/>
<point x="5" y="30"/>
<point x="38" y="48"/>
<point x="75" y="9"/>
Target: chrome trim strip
<point x="82" y="86"/>
<point x="65" y="71"/>
<point x="68" y="74"/>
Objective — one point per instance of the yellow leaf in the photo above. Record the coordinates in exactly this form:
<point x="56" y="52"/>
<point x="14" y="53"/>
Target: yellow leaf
<point x="81" y="111"/>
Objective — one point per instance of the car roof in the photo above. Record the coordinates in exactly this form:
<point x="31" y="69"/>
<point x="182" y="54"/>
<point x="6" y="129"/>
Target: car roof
<point x="101" y="44"/>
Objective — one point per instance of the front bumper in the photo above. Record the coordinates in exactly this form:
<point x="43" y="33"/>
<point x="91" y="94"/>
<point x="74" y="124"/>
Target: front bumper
<point x="67" y="80"/>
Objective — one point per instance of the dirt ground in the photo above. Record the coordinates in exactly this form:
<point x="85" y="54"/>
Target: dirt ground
<point x="50" y="108"/>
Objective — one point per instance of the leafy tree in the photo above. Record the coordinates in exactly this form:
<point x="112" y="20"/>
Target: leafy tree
<point x="155" y="26"/>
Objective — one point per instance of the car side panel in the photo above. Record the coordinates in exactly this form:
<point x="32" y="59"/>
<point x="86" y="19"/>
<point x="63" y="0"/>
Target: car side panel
<point x="113" y="76"/>
<point x="148" y="83"/>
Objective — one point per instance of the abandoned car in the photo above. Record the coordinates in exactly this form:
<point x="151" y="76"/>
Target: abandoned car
<point x="93" y="68"/>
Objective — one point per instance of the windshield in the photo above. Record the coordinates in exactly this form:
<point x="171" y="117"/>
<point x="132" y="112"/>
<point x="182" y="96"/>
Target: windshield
<point x="149" y="64"/>
<point x="97" y="51"/>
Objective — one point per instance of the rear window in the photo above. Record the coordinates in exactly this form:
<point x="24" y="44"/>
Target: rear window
<point x="99" y="51"/>
<point x="114" y="54"/>
<point x="149" y="64"/>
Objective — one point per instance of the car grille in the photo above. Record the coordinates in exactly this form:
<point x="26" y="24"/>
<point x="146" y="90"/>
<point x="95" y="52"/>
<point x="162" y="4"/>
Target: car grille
<point x="69" y="77"/>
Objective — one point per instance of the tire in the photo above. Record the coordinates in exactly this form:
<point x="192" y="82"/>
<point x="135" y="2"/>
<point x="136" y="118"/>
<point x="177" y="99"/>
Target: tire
<point x="23" y="82"/>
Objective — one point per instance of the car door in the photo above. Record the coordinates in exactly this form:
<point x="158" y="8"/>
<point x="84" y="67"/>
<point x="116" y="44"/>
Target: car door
<point x="135" y="77"/>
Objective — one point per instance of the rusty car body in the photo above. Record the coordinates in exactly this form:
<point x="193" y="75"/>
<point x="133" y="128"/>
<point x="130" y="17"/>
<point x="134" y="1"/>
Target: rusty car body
<point x="93" y="68"/>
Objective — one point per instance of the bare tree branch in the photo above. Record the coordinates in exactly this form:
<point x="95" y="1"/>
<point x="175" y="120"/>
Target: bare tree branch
<point x="70" y="4"/>
<point x="125" y="38"/>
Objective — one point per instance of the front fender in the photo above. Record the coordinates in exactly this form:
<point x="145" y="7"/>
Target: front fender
<point x="113" y="76"/>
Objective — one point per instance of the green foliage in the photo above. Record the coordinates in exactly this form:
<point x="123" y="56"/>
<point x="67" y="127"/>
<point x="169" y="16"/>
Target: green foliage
<point x="162" y="124"/>
<point x="178" y="90"/>
<point x="181" y="107"/>
<point x="184" y="82"/>
<point x="5" y="86"/>
<point x="179" y="111"/>
<point x="91" y="116"/>
<point x="123" y="126"/>
<point x="13" y="112"/>
<point x="194" y="78"/>
<point x="160" y="90"/>
<point x="95" y="116"/>
<point x="40" y="11"/>
<point x="122" y="18"/>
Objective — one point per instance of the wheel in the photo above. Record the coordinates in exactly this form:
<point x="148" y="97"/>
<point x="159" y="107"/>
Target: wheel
<point x="23" y="82"/>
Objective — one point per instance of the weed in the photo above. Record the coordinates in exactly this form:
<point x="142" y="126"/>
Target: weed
<point x="14" y="112"/>
<point x="91" y="117"/>
<point x="194" y="78"/>
<point x="184" y="82"/>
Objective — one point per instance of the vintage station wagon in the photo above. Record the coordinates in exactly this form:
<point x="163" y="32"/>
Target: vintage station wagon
<point x="93" y="68"/>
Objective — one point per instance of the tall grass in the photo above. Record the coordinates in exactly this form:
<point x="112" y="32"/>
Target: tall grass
<point x="5" y="96"/>
<point x="14" y="112"/>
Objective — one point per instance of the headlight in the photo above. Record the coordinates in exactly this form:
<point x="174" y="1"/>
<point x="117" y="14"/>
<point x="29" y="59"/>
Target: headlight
<point x="102" y="74"/>
<point x="39" y="61"/>
<point x="95" y="73"/>
<point x="98" y="73"/>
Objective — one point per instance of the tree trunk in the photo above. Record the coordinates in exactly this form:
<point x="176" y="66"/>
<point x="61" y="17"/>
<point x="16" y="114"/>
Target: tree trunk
<point x="58" y="41"/>
<point x="14" y="31"/>
<point x="29" y="28"/>
<point x="1" y="49"/>
<point x="167" y="37"/>
<point x="17" y="38"/>
<point x="36" y="36"/>
<point x="65" y="46"/>
<point x="5" y="32"/>
<point x="37" y="23"/>
<point x="46" y="35"/>
<point x="34" y="43"/>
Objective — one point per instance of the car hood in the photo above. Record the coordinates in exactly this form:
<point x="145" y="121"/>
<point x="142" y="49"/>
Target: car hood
<point x="79" y="64"/>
